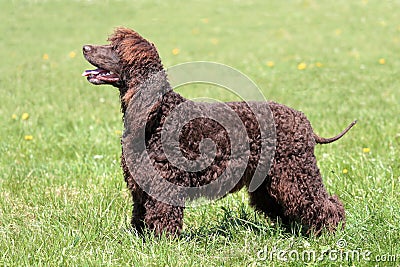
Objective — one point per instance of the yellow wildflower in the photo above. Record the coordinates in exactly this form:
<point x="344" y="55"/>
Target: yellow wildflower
<point x="345" y="171"/>
<point x="382" y="61"/>
<point x="270" y="63"/>
<point x="195" y="31"/>
<point x="366" y="149"/>
<point x="338" y="32"/>
<point x="45" y="56"/>
<point x="28" y="137"/>
<point x="25" y="116"/>
<point x="318" y="64"/>
<point x="14" y="116"/>
<point x="118" y="132"/>
<point x="214" y="41"/>
<point x="72" y="54"/>
<point x="175" y="51"/>
<point x="204" y="20"/>
<point x="302" y="66"/>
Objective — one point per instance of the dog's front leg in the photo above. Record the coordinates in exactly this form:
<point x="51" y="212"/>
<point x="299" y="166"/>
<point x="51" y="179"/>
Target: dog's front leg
<point x="163" y="218"/>
<point x="139" y="211"/>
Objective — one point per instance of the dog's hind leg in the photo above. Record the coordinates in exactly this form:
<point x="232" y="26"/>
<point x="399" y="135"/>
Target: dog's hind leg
<point x="297" y="186"/>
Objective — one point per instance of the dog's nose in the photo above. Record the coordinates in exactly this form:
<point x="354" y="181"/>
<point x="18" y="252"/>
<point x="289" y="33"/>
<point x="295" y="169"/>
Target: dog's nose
<point x="87" y="48"/>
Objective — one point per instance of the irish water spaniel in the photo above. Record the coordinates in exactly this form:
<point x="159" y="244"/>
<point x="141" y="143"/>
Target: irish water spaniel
<point x="291" y="187"/>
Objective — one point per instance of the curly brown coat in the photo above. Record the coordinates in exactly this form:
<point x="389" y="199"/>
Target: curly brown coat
<point x="292" y="189"/>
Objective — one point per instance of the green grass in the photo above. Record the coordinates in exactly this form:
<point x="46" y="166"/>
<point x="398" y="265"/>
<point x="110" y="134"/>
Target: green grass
<point x="63" y="200"/>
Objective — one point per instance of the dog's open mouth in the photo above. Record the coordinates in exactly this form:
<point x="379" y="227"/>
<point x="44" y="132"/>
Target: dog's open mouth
<point x="100" y="76"/>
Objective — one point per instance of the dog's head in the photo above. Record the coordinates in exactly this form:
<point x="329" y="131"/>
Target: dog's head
<point x="124" y="63"/>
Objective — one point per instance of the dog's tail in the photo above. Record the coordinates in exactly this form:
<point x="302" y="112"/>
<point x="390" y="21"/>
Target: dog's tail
<point x="322" y="140"/>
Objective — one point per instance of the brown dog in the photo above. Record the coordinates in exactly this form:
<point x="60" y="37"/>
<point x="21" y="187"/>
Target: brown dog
<point x="291" y="189"/>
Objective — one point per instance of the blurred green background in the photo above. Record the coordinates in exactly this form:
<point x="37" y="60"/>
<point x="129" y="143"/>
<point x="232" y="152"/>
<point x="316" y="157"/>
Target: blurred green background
<point x="63" y="200"/>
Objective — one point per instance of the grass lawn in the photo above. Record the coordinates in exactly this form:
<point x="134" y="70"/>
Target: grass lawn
<point x="63" y="201"/>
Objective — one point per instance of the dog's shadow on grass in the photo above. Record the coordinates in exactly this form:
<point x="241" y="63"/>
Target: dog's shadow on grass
<point x="233" y="222"/>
